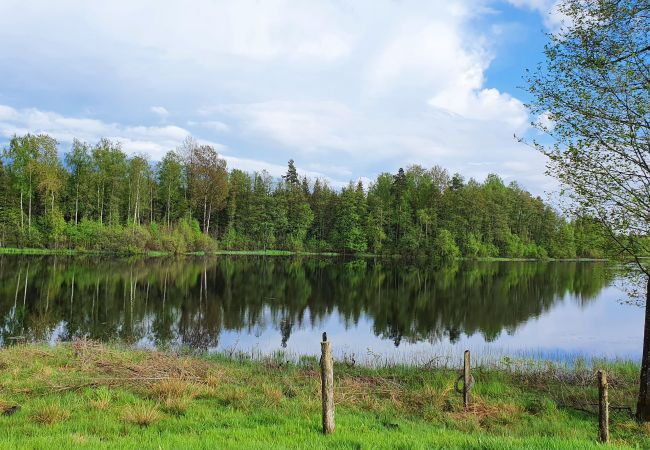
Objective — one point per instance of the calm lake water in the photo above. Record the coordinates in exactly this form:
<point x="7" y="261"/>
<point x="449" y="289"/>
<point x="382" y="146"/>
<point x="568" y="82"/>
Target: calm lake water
<point x="370" y="308"/>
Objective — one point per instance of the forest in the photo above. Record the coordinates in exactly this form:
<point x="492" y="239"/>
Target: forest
<point x="95" y="197"/>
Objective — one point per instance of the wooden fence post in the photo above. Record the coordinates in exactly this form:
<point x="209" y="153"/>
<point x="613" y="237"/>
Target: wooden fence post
<point x="603" y="407"/>
<point x="327" y="385"/>
<point x="466" y="379"/>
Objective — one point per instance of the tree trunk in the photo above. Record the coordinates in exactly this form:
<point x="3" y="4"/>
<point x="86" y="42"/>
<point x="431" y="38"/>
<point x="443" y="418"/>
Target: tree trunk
<point x="150" y="203"/>
<point x="207" y="229"/>
<point x="101" y="214"/>
<point x="205" y="207"/>
<point x="168" y="200"/>
<point x="643" y="404"/>
<point x="29" y="213"/>
<point x="76" y="206"/>
<point x="22" y="210"/>
<point x="136" y="208"/>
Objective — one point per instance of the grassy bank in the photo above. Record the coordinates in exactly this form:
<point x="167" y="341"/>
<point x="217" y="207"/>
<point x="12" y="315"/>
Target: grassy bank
<point x="73" y="252"/>
<point x="86" y="395"/>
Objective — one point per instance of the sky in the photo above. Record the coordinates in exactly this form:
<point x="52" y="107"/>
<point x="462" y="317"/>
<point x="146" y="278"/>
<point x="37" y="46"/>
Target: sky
<point x="346" y="89"/>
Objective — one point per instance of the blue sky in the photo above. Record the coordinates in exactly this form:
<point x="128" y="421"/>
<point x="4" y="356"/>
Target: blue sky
<point x="347" y="89"/>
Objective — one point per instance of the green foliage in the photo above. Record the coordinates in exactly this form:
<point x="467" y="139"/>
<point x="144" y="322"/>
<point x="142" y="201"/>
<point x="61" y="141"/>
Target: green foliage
<point x="445" y="246"/>
<point x="105" y="200"/>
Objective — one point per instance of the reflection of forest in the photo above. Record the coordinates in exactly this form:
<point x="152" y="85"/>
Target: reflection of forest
<point x="190" y="300"/>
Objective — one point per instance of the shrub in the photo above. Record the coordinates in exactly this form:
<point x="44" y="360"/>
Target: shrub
<point x="445" y="247"/>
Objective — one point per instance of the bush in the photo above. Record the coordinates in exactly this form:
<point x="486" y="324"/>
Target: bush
<point x="445" y="247"/>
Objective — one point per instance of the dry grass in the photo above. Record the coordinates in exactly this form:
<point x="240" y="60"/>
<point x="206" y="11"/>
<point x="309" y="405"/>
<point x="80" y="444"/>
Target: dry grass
<point x="50" y="414"/>
<point x="272" y="395"/>
<point x="100" y="404"/>
<point x="176" y="405"/>
<point x="172" y="388"/>
<point x="142" y="415"/>
<point x="234" y="396"/>
<point x="212" y="380"/>
<point x="137" y="369"/>
<point x="483" y="410"/>
<point x="369" y="392"/>
<point x="148" y="367"/>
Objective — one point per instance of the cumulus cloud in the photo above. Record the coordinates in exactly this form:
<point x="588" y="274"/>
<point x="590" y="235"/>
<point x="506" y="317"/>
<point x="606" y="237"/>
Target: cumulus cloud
<point x="152" y="140"/>
<point x="548" y="9"/>
<point x="347" y="89"/>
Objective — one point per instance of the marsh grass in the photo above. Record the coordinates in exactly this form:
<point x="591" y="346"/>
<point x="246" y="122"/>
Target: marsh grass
<point x="92" y="395"/>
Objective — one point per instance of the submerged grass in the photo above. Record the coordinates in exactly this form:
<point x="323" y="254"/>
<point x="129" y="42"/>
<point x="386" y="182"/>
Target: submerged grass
<point x="88" y="395"/>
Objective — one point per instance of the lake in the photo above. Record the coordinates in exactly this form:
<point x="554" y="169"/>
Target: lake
<point x="372" y="309"/>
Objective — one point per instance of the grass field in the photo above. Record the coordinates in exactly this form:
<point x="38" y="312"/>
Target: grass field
<point x="87" y="395"/>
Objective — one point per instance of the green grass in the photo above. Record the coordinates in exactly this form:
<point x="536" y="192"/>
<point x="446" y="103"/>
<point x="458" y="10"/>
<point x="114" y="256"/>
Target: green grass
<point x="36" y="251"/>
<point x="71" y="252"/>
<point x="68" y="252"/>
<point x="87" y="395"/>
<point x="273" y="253"/>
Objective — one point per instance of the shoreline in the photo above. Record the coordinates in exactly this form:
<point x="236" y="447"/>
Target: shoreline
<point x="77" y="252"/>
<point x="90" y="395"/>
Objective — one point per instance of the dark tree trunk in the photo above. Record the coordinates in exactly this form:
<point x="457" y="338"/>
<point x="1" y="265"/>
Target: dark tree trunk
<point x="643" y="405"/>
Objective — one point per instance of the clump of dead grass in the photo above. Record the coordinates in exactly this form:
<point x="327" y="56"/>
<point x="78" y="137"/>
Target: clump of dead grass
<point x="172" y="388"/>
<point x="136" y="369"/>
<point x="272" y="395"/>
<point x="369" y="392"/>
<point x="142" y="415"/>
<point x="176" y="405"/>
<point x="482" y="410"/>
<point x="50" y="413"/>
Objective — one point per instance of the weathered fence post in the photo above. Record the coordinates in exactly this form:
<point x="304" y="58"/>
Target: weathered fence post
<point x="327" y="385"/>
<point x="603" y="407"/>
<point x="466" y="379"/>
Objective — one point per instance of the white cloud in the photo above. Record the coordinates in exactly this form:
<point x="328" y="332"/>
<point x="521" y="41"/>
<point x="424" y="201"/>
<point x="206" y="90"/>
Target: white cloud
<point x="544" y="120"/>
<point x="206" y="31"/>
<point x="340" y="139"/>
<point x="159" y="110"/>
<point x="152" y="140"/>
<point x="348" y="89"/>
<point x="548" y="9"/>
<point x="214" y="125"/>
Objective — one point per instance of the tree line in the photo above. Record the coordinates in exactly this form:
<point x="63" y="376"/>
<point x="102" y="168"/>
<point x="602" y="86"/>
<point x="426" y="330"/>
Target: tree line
<point x="96" y="197"/>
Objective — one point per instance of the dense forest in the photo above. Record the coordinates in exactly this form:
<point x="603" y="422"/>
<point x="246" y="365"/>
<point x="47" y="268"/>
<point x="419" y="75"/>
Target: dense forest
<point x="96" y="197"/>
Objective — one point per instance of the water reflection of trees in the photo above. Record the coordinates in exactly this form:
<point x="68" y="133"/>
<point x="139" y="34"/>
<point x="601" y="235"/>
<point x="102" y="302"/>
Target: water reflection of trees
<point x="191" y="300"/>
